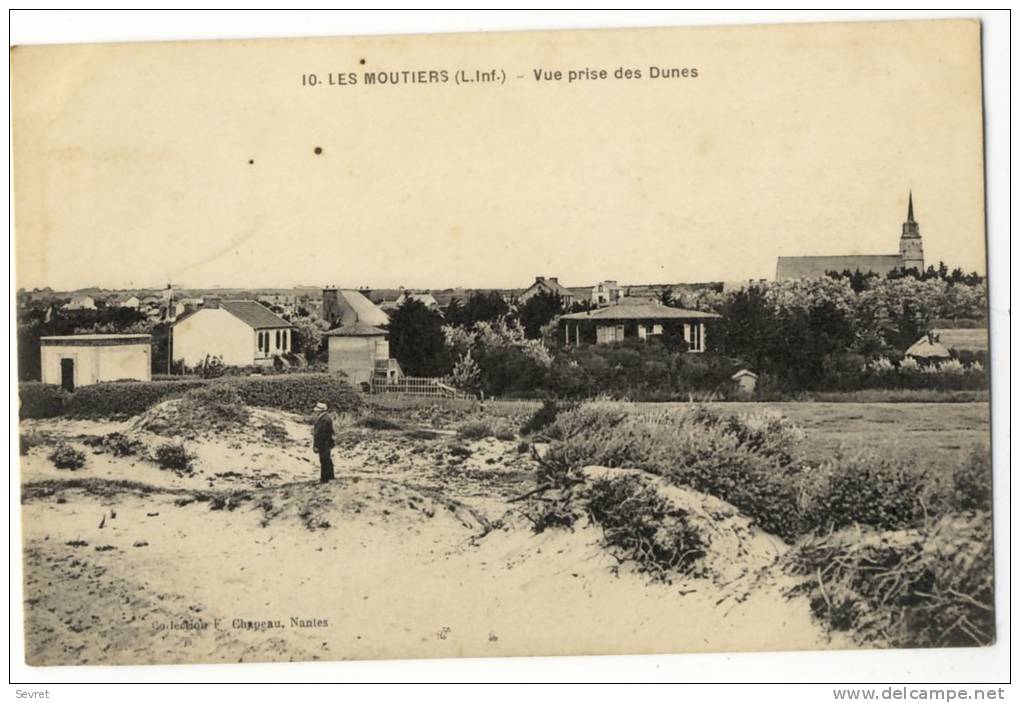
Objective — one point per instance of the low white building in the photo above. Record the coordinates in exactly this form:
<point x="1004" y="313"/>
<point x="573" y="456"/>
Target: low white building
<point x="83" y="359"/>
<point x="81" y="302"/>
<point x="357" y="350"/>
<point x="239" y="332"/>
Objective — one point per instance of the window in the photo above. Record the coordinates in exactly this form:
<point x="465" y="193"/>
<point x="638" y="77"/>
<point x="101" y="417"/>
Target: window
<point x="278" y="339"/>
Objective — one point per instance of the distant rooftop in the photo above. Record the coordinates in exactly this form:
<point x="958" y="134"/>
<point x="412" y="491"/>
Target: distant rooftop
<point x="640" y="311"/>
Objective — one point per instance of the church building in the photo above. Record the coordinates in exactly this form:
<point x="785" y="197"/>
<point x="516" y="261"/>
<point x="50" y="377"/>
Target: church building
<point x="911" y="255"/>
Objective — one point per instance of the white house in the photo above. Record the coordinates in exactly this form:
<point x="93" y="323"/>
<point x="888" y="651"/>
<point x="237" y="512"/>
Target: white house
<point x="607" y="293"/>
<point x="240" y="332"/>
<point x="81" y="302"/>
<point x="84" y="359"/>
<point x="124" y="301"/>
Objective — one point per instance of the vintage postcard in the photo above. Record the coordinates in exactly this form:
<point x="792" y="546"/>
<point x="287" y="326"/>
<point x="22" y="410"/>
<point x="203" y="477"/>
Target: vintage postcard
<point x="505" y="344"/>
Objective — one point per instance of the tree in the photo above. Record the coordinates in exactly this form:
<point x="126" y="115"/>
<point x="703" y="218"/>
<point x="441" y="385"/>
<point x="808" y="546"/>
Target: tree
<point x="417" y="340"/>
<point x="310" y="337"/>
<point x="480" y="307"/>
<point x="540" y="309"/>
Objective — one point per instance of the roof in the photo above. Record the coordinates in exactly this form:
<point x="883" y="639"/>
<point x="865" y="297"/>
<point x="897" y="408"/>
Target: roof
<point x="364" y="309"/>
<point x="94" y="340"/>
<point x="926" y="350"/>
<point x="818" y="266"/>
<point x="956" y="339"/>
<point x="744" y="373"/>
<point x="255" y="315"/>
<point x="356" y="329"/>
<point x="640" y="311"/>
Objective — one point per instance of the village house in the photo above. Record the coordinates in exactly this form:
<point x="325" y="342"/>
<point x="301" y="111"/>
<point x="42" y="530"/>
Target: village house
<point x="125" y="300"/>
<point x="84" y="359"/>
<point x="945" y="343"/>
<point x="239" y="332"/>
<point x="345" y="306"/>
<point x="362" y="352"/>
<point x="627" y="320"/>
<point x="607" y="293"/>
<point x="550" y="285"/>
<point x="424" y="298"/>
<point x="81" y="302"/>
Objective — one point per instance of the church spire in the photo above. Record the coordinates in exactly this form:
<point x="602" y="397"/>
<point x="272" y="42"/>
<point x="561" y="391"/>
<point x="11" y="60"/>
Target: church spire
<point x="910" y="207"/>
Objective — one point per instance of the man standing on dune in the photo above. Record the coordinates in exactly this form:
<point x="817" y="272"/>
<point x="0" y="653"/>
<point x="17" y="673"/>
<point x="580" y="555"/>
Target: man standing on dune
<point x="322" y="441"/>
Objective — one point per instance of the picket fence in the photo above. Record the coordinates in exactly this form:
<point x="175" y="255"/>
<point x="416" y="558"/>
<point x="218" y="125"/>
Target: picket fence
<point x="437" y="387"/>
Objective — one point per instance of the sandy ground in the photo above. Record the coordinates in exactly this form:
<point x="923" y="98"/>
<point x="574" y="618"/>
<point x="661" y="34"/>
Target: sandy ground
<point x="414" y="551"/>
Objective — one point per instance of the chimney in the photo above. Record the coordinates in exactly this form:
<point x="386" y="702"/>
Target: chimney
<point x="330" y="304"/>
<point x="554" y="279"/>
<point x="212" y="302"/>
<point x="539" y="279"/>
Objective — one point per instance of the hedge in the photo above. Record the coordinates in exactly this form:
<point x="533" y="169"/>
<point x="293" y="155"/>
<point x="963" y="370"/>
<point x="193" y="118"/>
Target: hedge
<point x="40" y="399"/>
<point x="123" y="397"/>
<point x="293" y="392"/>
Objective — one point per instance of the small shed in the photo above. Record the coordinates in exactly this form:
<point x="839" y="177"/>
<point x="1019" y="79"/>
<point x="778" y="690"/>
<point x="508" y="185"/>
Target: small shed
<point x="84" y="359"/>
<point x="746" y="381"/>
<point x="356" y="349"/>
<point x="941" y="343"/>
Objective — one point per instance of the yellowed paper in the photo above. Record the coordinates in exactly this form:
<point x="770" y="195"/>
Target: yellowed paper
<point x="616" y="163"/>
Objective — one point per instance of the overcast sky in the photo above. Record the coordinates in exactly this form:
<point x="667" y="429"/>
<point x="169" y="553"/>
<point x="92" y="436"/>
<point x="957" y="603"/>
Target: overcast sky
<point x="139" y="164"/>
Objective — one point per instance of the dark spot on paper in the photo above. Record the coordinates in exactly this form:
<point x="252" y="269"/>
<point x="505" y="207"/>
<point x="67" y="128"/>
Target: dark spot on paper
<point x="318" y="150"/>
<point x="362" y="62"/>
<point x="251" y="161"/>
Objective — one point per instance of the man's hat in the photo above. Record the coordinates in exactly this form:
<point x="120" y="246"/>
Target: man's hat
<point x="320" y="407"/>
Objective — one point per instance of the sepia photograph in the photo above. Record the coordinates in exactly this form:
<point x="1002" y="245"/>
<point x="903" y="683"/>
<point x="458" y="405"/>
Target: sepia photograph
<point x="651" y="340"/>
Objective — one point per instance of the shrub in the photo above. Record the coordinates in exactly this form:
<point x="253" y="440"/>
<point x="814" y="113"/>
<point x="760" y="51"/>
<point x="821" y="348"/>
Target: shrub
<point x="543" y="417"/>
<point x="216" y="403"/>
<point x="548" y="514"/>
<point x="692" y="448"/>
<point x="497" y="427"/>
<point x="39" y="400"/>
<point x="64" y="456"/>
<point x="376" y="422"/>
<point x="124" y="399"/>
<point x="174" y="457"/>
<point x="867" y="489"/>
<point x="640" y="525"/>
<point x="297" y="392"/>
<point x="927" y="588"/>
<point x="120" y="444"/>
<point x="275" y="433"/>
<point x="970" y="484"/>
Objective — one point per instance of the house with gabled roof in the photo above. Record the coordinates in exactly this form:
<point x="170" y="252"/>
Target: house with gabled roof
<point x="549" y="285"/>
<point x="239" y="332"/>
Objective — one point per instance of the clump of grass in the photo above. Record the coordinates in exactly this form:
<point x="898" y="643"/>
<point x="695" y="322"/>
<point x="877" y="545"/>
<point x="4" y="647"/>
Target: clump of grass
<point x="64" y="456"/>
<point x="640" y="525"/>
<point x="494" y="426"/>
<point x="377" y="422"/>
<point x="458" y="451"/>
<point x="174" y="457"/>
<point x="275" y="433"/>
<point x="931" y="587"/>
<point x="118" y="444"/>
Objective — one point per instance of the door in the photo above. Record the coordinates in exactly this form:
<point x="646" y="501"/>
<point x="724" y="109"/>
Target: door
<point x="67" y="374"/>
